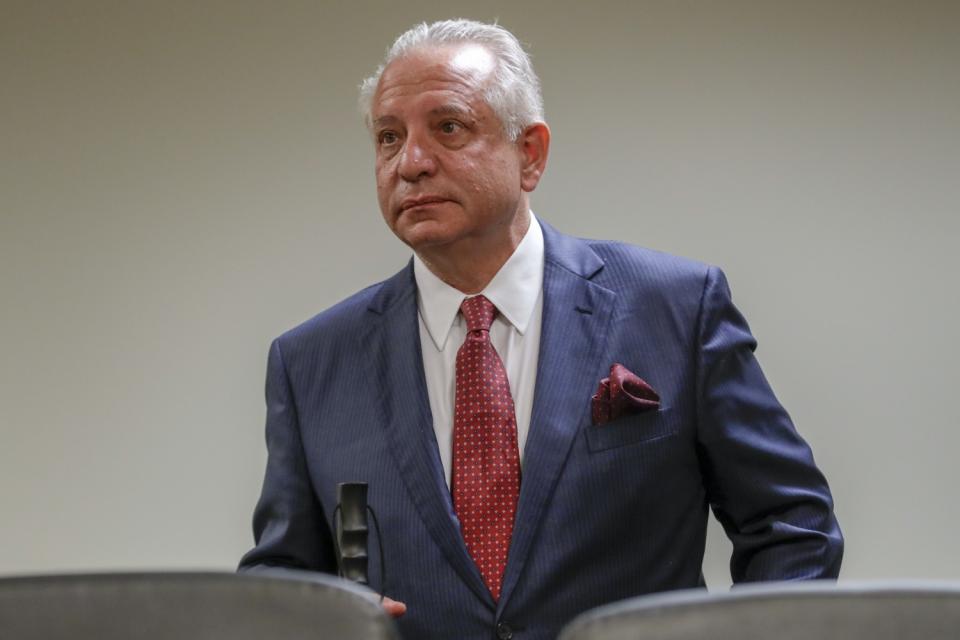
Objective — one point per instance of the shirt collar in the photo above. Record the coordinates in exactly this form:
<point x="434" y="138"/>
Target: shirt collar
<point x="514" y="289"/>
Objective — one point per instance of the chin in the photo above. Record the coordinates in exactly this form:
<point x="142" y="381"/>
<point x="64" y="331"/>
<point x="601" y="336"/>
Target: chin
<point x="425" y="234"/>
<point x="423" y="241"/>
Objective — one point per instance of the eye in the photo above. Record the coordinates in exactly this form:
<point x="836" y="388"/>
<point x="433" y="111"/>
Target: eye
<point x="387" y="138"/>
<point x="450" y="127"/>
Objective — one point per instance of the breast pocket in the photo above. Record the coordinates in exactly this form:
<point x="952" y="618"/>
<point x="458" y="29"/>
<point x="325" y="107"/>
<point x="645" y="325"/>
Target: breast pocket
<point x="631" y="429"/>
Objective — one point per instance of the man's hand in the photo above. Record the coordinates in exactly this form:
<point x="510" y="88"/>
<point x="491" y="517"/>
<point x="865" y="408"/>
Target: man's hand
<point x="393" y="608"/>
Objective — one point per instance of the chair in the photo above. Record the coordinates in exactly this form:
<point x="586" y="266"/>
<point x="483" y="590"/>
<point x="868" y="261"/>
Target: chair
<point x="782" y="611"/>
<point x="189" y="606"/>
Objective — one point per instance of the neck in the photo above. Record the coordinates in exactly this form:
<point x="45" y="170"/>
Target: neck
<point x="471" y="264"/>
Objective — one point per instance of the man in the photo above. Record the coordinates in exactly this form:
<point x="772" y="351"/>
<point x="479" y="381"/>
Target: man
<point x="460" y="388"/>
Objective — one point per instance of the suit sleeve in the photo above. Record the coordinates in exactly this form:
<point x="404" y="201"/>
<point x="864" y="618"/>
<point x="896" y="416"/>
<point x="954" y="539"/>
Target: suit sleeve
<point x="289" y="527"/>
<point x="760" y="476"/>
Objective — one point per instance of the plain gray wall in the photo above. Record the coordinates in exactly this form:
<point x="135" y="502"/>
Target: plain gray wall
<point x="182" y="181"/>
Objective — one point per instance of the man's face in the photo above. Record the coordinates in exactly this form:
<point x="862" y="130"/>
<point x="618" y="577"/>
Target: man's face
<point x="446" y="173"/>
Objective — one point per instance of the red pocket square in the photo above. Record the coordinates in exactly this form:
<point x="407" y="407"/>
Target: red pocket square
<point x="621" y="394"/>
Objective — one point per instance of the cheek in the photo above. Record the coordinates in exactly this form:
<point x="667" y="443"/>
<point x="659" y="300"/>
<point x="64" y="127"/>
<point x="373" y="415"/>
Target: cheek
<point x="497" y="180"/>
<point x="380" y="173"/>
<point x="384" y="180"/>
<point x="480" y="176"/>
<point x="384" y="167"/>
<point x="384" y="191"/>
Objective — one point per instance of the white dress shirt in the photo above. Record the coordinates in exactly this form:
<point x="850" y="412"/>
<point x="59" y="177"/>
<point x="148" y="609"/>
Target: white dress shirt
<point x="517" y="292"/>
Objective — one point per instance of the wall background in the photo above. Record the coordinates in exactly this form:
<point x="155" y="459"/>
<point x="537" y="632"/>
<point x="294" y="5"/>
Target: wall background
<point x="182" y="181"/>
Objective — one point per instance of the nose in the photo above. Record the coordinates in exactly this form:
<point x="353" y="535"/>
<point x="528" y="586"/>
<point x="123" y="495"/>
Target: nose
<point x="416" y="159"/>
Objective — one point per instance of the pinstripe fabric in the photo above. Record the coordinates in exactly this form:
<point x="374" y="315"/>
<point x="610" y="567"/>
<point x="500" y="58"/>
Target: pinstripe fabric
<point x="605" y="511"/>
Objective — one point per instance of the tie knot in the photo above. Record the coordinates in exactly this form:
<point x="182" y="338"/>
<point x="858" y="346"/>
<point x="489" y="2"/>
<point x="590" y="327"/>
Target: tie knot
<point x="478" y="312"/>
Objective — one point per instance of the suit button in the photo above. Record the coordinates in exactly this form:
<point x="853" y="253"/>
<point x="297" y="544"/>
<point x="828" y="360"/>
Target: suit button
<point x="504" y="632"/>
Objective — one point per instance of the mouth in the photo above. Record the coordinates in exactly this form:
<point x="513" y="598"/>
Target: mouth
<point x="420" y="201"/>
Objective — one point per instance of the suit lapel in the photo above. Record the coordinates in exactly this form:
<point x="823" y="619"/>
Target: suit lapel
<point x="396" y="370"/>
<point x="576" y="319"/>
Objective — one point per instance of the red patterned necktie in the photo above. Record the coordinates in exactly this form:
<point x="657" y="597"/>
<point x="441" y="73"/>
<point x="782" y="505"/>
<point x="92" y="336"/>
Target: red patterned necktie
<point x="486" y="460"/>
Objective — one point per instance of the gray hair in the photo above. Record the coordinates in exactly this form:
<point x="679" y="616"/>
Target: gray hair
<point x="514" y="90"/>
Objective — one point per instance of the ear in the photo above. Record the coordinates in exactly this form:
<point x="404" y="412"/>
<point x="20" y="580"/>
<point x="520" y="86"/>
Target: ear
<point x="534" y="145"/>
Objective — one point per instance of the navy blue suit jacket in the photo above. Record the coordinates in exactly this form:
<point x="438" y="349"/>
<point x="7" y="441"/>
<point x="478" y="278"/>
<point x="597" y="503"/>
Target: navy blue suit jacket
<point x="605" y="512"/>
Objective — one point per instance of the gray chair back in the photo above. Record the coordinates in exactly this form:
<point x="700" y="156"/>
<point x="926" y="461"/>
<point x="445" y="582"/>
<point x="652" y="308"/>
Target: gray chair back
<point x="189" y="606"/>
<point x="784" y="611"/>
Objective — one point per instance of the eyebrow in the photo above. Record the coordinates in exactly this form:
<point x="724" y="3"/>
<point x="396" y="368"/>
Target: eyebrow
<point x="442" y="110"/>
<point x="450" y="110"/>
<point x="383" y="120"/>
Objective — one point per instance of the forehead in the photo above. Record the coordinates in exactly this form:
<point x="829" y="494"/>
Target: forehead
<point x="455" y="73"/>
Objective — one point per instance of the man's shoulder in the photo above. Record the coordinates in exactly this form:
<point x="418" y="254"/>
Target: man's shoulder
<point x="651" y="278"/>
<point x="621" y="265"/>
<point x="622" y="255"/>
<point x="343" y="319"/>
